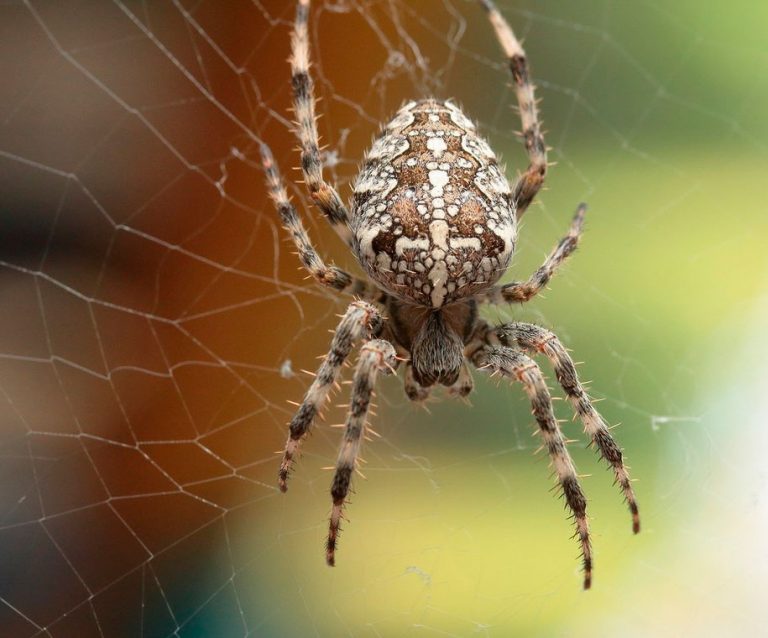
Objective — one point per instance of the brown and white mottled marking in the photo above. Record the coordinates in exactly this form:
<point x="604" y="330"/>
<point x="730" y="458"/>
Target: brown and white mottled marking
<point x="432" y="217"/>
<point x="433" y="223"/>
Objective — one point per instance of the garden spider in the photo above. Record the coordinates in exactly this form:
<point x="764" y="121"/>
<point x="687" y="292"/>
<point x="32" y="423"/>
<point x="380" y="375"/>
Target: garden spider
<point x="433" y="223"/>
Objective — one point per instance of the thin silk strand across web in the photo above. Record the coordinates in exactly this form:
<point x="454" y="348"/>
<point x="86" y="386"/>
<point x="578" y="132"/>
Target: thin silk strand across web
<point x="154" y="322"/>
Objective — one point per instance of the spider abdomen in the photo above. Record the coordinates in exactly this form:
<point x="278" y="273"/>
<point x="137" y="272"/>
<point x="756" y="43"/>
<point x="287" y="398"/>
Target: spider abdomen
<point x="432" y="218"/>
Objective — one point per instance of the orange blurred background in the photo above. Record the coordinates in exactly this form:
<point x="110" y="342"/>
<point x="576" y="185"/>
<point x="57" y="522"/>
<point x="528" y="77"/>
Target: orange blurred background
<point x="155" y="324"/>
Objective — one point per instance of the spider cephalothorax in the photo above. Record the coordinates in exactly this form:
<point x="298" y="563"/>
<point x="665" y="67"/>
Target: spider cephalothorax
<point x="433" y="222"/>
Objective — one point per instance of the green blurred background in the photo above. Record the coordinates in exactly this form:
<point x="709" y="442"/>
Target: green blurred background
<point x="154" y="324"/>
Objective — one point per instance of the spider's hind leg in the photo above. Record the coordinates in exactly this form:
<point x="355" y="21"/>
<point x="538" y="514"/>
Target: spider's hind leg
<point x="375" y="356"/>
<point x="329" y="276"/>
<point x="324" y="194"/>
<point x="531" y="181"/>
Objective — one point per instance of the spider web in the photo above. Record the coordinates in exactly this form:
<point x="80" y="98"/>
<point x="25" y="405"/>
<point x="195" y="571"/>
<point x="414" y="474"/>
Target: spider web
<point x="154" y="324"/>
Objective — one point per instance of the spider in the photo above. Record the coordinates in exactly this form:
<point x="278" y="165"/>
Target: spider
<point x="433" y="223"/>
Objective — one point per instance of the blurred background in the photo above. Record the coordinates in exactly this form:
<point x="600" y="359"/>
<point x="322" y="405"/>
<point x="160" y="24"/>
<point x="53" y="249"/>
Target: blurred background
<point x="154" y="323"/>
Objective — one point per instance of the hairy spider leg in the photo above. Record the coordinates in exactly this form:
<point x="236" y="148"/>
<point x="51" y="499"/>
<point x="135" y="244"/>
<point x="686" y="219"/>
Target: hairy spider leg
<point x="531" y="181"/>
<point x="323" y="194"/>
<point x="362" y="320"/>
<point x="522" y="291"/>
<point x="519" y="367"/>
<point x="330" y="276"/>
<point x="375" y="356"/>
<point x="537" y="340"/>
<point x="493" y="350"/>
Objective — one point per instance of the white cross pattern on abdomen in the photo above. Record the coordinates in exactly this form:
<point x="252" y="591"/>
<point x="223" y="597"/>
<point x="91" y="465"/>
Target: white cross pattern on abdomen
<point x="433" y="221"/>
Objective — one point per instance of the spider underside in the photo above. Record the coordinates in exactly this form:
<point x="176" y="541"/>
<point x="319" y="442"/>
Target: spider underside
<point x="433" y="223"/>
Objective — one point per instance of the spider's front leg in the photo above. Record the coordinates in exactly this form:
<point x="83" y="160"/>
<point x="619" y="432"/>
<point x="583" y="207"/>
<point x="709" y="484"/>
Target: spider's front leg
<point x="375" y="356"/>
<point x="522" y="291"/>
<point x="519" y="367"/>
<point x="361" y="320"/>
<point x="535" y="340"/>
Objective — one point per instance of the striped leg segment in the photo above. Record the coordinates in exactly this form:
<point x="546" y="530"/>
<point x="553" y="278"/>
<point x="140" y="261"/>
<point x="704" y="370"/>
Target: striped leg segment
<point x="329" y="276"/>
<point x="538" y="340"/>
<point x="530" y="182"/>
<point x="361" y="320"/>
<point x="324" y="195"/>
<point x="375" y="356"/>
<point x="519" y="367"/>
<point x="522" y="291"/>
